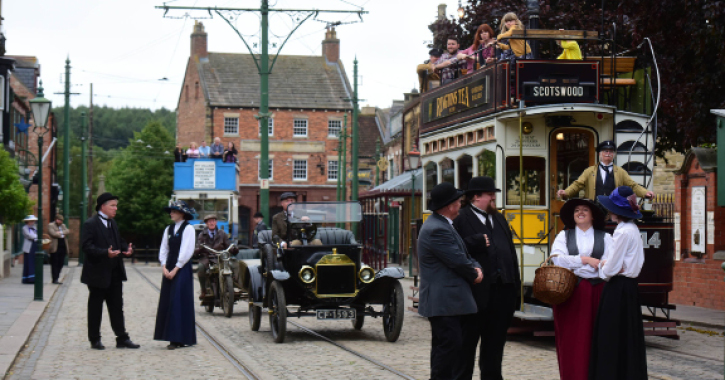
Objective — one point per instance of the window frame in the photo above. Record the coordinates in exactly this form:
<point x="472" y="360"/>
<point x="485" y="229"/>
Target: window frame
<point x="336" y="171"/>
<point x="294" y="170"/>
<point x="339" y="128"/>
<point x="294" y="127"/>
<point x="225" y="126"/>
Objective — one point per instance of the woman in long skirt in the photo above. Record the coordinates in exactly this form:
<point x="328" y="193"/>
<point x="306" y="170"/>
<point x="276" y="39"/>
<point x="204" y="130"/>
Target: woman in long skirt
<point x="618" y="350"/>
<point x="29" y="245"/>
<point x="175" y="315"/>
<point x="579" y="248"/>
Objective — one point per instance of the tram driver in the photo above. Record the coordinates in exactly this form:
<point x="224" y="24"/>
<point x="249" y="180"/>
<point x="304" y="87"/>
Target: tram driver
<point x="606" y="179"/>
<point x="282" y="219"/>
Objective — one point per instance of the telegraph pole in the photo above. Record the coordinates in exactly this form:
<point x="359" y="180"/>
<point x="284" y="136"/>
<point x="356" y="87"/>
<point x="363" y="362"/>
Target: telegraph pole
<point x="344" y="161"/>
<point x="354" y="158"/>
<point x="84" y="188"/>
<point x="90" y="154"/>
<point x="66" y="144"/>
<point x="265" y="69"/>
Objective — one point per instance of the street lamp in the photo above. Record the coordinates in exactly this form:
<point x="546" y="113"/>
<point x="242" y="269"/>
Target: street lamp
<point x="413" y="162"/>
<point x="461" y="11"/>
<point x="41" y="109"/>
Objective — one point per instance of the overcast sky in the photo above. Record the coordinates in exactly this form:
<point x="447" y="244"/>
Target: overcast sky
<point x="125" y="47"/>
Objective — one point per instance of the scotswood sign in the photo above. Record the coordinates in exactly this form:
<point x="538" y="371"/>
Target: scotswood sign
<point x="561" y="82"/>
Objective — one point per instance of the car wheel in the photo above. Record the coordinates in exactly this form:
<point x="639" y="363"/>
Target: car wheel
<point x="359" y="320"/>
<point x="278" y="311"/>
<point x="393" y="312"/>
<point x="255" y="317"/>
<point x="228" y="296"/>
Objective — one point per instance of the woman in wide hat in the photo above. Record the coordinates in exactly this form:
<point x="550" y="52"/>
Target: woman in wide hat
<point x="618" y="350"/>
<point x="175" y="315"/>
<point x="579" y="248"/>
<point x="29" y="245"/>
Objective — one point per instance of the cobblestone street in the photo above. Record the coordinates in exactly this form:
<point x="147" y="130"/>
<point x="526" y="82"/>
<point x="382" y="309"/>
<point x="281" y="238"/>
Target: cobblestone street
<point x="58" y="349"/>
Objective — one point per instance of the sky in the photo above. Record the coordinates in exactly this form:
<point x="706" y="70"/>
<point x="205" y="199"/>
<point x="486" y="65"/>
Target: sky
<point x="136" y="57"/>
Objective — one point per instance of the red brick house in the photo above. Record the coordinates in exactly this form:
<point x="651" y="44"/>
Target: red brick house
<point x="220" y="97"/>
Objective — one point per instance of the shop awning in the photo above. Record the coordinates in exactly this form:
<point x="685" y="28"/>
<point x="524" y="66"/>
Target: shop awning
<point x="400" y="183"/>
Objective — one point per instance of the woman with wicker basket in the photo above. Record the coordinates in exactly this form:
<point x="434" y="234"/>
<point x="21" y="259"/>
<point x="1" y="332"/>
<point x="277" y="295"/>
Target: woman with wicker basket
<point x="579" y="248"/>
<point x="618" y="350"/>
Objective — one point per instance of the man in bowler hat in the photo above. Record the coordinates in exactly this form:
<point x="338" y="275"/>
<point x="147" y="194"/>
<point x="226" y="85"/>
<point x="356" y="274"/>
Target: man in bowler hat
<point x="446" y="274"/>
<point x="103" y="271"/>
<point x="490" y="242"/>
<point x="603" y="178"/>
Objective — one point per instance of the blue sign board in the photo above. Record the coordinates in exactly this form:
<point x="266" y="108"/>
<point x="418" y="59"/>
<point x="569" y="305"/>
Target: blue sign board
<point x="205" y="174"/>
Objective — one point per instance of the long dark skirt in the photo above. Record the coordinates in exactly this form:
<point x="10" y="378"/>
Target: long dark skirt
<point x="573" y="325"/>
<point x="618" y="350"/>
<point x="29" y="266"/>
<point x="175" y="315"/>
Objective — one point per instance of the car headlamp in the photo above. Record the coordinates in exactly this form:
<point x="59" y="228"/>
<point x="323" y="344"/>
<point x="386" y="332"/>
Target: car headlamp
<point x="307" y="274"/>
<point x="367" y="274"/>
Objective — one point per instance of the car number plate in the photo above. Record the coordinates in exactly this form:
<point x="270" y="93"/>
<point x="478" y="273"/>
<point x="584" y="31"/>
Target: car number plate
<point x="336" y="314"/>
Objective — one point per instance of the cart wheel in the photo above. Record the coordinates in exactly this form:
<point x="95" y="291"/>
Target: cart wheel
<point x="359" y="320"/>
<point x="255" y="317"/>
<point x="228" y="297"/>
<point x="277" y="311"/>
<point x="393" y="313"/>
<point x="209" y="304"/>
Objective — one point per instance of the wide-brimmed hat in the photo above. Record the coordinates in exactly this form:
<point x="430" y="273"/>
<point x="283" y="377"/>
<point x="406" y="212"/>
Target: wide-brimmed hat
<point x="609" y="145"/>
<point x="103" y="198"/>
<point x="442" y="195"/>
<point x="30" y="218"/>
<point x="287" y="195"/>
<point x="567" y="213"/>
<point x="182" y="207"/>
<point x="210" y="216"/>
<point x="622" y="201"/>
<point x="482" y="185"/>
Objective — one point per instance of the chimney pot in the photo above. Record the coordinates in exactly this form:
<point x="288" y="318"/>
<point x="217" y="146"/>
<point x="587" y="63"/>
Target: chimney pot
<point x="199" y="41"/>
<point x="331" y="46"/>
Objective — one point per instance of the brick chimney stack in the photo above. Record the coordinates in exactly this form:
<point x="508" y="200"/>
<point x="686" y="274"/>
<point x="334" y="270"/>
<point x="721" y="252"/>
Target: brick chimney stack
<point x="198" y="41"/>
<point x="441" y="11"/>
<point x="331" y="46"/>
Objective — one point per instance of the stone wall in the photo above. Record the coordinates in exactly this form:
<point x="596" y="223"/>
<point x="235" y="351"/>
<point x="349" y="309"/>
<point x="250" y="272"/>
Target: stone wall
<point x="664" y="176"/>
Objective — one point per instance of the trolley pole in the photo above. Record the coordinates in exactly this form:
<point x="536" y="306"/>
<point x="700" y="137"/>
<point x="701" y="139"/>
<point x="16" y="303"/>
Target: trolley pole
<point x="84" y="182"/>
<point x="339" y="169"/>
<point x="343" y="188"/>
<point x="66" y="146"/>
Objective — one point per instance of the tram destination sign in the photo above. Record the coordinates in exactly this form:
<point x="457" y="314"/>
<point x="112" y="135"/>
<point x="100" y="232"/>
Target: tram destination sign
<point x="557" y="82"/>
<point x="204" y="174"/>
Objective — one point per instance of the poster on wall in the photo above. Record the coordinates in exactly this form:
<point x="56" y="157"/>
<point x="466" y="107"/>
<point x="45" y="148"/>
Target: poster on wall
<point x="710" y="227"/>
<point x="697" y="215"/>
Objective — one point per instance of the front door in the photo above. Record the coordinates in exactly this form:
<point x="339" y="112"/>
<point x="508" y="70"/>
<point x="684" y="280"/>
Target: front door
<point x="572" y="151"/>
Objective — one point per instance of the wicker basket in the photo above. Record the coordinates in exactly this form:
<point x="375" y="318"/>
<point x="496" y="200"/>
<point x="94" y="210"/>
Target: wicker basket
<point x="553" y="284"/>
<point x="46" y="242"/>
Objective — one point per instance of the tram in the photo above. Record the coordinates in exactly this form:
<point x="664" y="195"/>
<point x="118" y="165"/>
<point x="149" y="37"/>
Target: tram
<point x="534" y="126"/>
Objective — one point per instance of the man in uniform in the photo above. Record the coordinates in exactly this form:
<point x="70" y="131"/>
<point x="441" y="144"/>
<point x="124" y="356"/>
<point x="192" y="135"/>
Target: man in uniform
<point x="603" y="178"/>
<point x="279" y="221"/>
<point x="214" y="238"/>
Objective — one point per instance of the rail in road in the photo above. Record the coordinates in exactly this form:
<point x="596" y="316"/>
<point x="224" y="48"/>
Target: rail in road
<point x="246" y="371"/>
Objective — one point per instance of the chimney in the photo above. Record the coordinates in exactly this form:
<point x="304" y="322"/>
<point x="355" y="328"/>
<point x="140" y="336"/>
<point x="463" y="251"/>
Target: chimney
<point x="441" y="11"/>
<point x="331" y="46"/>
<point x="198" y="41"/>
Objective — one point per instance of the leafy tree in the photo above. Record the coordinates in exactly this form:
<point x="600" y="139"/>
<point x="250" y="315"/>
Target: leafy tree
<point x="14" y="201"/>
<point x="142" y="177"/>
<point x="687" y="37"/>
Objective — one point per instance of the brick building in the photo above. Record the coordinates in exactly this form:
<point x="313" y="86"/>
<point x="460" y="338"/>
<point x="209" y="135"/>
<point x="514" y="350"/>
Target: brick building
<point x="220" y="98"/>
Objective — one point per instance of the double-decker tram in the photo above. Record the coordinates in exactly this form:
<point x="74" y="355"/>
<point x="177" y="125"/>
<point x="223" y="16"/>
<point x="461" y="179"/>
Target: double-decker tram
<point x="533" y="125"/>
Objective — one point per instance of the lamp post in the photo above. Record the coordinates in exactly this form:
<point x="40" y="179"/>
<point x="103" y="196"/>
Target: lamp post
<point x="41" y="109"/>
<point x="413" y="162"/>
<point x="86" y="190"/>
<point x="461" y="10"/>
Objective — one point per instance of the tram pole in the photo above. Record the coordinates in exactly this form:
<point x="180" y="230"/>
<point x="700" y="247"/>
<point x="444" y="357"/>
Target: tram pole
<point x="84" y="182"/>
<point x="343" y="188"/>
<point x="521" y="199"/>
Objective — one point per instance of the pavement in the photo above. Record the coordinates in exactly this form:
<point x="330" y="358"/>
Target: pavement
<point x="59" y="348"/>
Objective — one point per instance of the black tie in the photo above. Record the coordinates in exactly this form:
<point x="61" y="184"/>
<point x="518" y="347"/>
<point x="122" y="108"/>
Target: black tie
<point x="212" y="234"/>
<point x="485" y="217"/>
<point x="607" y="172"/>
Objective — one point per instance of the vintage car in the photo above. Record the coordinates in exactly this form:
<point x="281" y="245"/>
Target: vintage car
<point x="327" y="281"/>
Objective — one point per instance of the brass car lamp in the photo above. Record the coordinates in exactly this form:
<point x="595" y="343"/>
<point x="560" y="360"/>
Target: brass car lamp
<point x="307" y="274"/>
<point x="367" y="274"/>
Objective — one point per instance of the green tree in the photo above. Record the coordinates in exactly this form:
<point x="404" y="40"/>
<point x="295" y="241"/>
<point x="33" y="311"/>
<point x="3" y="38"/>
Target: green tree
<point x="142" y="176"/>
<point x="14" y="201"/>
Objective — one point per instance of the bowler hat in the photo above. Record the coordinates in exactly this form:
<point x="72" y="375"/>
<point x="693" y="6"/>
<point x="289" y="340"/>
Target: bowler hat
<point x="182" y="207"/>
<point x="622" y="201"/>
<point x="567" y="213"/>
<point x="103" y="198"/>
<point x="436" y="52"/>
<point x="482" y="185"/>
<point x="442" y="195"/>
<point x="287" y="195"/>
<point x="608" y="145"/>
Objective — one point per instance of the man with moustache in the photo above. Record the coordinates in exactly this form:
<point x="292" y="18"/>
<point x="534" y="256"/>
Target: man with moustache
<point x="446" y="274"/>
<point x="103" y="271"/>
<point x="479" y="224"/>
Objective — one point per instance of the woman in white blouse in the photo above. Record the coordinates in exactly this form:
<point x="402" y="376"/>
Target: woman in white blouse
<point x="579" y="248"/>
<point x="175" y="315"/>
<point x="618" y="350"/>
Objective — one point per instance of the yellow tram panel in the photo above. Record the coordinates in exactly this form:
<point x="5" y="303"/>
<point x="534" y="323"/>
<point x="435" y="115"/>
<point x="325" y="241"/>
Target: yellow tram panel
<point x="536" y="224"/>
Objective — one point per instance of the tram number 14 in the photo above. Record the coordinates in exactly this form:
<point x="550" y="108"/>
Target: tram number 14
<point x="653" y="241"/>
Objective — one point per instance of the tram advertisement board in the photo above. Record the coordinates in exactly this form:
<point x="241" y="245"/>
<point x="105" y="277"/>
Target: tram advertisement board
<point x="557" y="82"/>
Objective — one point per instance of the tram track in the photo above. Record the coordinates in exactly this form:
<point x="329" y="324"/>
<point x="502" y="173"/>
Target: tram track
<point x="246" y="371"/>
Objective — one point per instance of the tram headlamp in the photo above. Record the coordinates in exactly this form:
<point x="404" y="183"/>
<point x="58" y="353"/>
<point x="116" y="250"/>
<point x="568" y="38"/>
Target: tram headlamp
<point x="307" y="274"/>
<point x="367" y="274"/>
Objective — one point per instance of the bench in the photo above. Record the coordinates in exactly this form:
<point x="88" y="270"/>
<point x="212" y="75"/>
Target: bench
<point x="609" y="69"/>
<point x="544" y="34"/>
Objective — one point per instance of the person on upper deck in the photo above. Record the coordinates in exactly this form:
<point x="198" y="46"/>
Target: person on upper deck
<point x="606" y="179"/>
<point x="448" y="63"/>
<point x="427" y="68"/>
<point x="571" y="50"/>
<point x="512" y="49"/>
<point x="482" y="51"/>
<point x="204" y="150"/>
<point x="193" y="151"/>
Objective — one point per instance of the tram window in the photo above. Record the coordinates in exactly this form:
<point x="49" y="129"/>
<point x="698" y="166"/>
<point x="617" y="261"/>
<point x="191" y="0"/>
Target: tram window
<point x="447" y="171"/>
<point x="628" y="126"/>
<point x="635" y="167"/>
<point x="431" y="175"/>
<point x="491" y="133"/>
<point x="634" y="146"/>
<point x="487" y="164"/>
<point x="479" y="135"/>
<point x="204" y="207"/>
<point x="572" y="157"/>
<point x="533" y="185"/>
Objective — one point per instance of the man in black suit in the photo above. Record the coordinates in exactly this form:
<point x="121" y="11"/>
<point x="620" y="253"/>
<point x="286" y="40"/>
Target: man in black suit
<point x="480" y="223"/>
<point x="446" y="274"/>
<point x="104" y="273"/>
